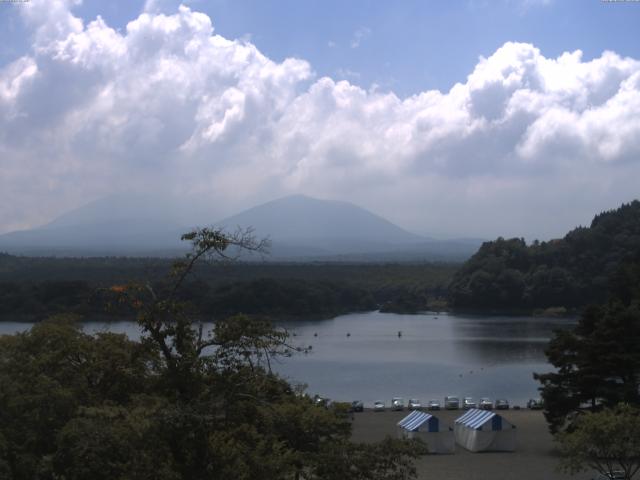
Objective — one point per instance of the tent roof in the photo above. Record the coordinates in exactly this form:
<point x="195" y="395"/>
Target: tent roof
<point x="476" y="418"/>
<point x="414" y="420"/>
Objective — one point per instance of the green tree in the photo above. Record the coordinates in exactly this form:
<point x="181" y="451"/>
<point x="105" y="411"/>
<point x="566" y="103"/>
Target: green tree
<point x="598" y="364"/>
<point x="48" y="373"/>
<point x="607" y="442"/>
<point x="387" y="460"/>
<point x="183" y="403"/>
<point x="570" y="272"/>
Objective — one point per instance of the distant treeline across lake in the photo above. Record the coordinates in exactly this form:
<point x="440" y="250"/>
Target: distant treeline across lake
<point x="33" y="288"/>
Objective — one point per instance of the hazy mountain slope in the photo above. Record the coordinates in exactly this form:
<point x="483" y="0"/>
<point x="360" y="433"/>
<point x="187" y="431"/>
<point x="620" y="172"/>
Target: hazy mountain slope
<point x="122" y="224"/>
<point x="322" y="226"/>
<point x="300" y="228"/>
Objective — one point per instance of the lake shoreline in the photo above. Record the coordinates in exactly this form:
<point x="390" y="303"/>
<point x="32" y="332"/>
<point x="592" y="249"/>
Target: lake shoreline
<point x="106" y="318"/>
<point x="375" y="355"/>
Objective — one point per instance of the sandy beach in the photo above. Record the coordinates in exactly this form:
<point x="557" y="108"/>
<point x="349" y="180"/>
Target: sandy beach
<point x="535" y="457"/>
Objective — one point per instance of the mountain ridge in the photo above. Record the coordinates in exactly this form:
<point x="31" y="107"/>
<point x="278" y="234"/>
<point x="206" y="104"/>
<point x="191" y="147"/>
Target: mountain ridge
<point x="301" y="228"/>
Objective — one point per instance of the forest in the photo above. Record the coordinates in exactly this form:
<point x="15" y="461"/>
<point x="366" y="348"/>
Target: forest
<point x="33" y="288"/>
<point x="569" y="273"/>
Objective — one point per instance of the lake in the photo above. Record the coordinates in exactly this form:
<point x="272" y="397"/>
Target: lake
<point x="360" y="355"/>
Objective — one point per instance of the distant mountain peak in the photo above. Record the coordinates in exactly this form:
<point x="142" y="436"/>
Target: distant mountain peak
<point x="296" y="217"/>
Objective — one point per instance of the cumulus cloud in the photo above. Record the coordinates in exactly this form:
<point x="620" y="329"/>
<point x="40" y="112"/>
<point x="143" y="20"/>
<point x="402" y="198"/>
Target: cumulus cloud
<point x="170" y="105"/>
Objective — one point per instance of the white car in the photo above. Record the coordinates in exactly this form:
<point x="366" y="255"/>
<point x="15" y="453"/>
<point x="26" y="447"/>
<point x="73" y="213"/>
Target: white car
<point x="486" y="404"/>
<point x="468" y="403"/>
<point x="434" y="405"/>
<point x="397" y="404"/>
<point x="414" y="404"/>
<point x="378" y="406"/>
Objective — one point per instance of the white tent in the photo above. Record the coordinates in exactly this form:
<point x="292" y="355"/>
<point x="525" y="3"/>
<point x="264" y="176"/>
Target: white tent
<point x="425" y="426"/>
<point x="485" y="431"/>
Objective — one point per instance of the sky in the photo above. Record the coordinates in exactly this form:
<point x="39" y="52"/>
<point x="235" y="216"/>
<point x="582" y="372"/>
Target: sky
<point x="470" y="118"/>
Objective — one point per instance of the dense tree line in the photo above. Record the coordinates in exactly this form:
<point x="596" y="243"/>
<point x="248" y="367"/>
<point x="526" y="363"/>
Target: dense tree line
<point x="182" y="403"/>
<point x="592" y="398"/>
<point x="297" y="290"/>
<point x="276" y="298"/>
<point x="598" y="362"/>
<point x="103" y="271"/>
<point x="570" y="272"/>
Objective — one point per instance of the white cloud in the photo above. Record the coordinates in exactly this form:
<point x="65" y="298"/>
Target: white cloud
<point x="359" y="36"/>
<point x="347" y="73"/>
<point x="169" y="105"/>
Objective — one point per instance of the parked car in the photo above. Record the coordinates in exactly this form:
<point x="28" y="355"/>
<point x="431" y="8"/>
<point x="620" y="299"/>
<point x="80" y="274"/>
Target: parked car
<point x="502" y="404"/>
<point x="534" y="404"/>
<point x="434" y="405"/>
<point x="357" y="406"/>
<point x="451" y="402"/>
<point x="414" y="404"/>
<point x="397" y="404"/>
<point x="468" y="403"/>
<point x="486" y="404"/>
<point x="321" y="401"/>
<point x="379" y="406"/>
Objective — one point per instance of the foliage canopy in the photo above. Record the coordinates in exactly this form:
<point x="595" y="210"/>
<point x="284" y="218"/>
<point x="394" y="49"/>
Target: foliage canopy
<point x="570" y="272"/>
<point x="182" y="403"/>
<point x="607" y="442"/>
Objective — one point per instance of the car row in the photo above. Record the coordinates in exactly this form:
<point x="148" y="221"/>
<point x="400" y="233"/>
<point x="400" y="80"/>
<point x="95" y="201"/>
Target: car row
<point x="451" y="402"/>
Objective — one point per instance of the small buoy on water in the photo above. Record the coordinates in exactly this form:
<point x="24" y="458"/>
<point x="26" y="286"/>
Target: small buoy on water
<point x="348" y="334"/>
<point x="315" y="334"/>
<point x="399" y="333"/>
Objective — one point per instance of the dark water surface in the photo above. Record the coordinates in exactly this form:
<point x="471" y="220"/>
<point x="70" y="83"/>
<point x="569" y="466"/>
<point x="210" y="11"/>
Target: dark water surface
<point x="436" y="355"/>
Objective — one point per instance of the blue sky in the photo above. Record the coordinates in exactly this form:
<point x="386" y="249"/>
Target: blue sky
<point x="469" y="118"/>
<point x="407" y="47"/>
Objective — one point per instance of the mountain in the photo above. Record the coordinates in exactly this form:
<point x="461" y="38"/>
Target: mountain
<point x="310" y="226"/>
<point x="114" y="225"/>
<point x="300" y="228"/>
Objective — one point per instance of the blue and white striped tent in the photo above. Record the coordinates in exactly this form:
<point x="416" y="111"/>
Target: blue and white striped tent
<point x="417" y="419"/>
<point x="427" y="427"/>
<point x="484" y="431"/>
<point x="475" y="418"/>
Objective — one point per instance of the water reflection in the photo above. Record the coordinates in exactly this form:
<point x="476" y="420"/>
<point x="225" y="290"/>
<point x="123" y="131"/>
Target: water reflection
<point x="436" y="355"/>
<point x="362" y="356"/>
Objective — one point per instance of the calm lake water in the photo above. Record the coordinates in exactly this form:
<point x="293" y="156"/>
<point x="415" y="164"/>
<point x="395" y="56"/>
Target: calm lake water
<point x="436" y="355"/>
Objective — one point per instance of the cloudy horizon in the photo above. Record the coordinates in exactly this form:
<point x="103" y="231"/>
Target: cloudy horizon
<point x="529" y="143"/>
